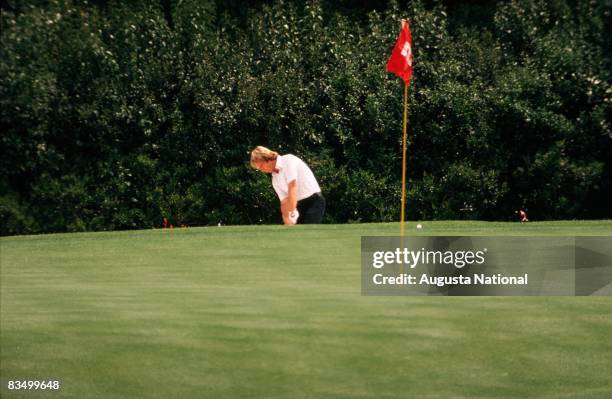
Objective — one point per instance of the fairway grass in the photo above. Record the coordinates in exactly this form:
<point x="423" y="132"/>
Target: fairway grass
<point x="277" y="312"/>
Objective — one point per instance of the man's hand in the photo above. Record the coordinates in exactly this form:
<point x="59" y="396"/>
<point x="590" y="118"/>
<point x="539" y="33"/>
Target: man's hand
<point x="286" y="211"/>
<point x="293" y="216"/>
<point x="289" y="204"/>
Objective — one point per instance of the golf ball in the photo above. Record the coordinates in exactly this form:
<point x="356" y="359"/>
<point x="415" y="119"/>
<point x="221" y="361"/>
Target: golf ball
<point x="419" y="226"/>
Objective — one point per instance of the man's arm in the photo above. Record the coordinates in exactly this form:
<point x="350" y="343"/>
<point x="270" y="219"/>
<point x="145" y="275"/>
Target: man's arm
<point x="292" y="197"/>
<point x="289" y="203"/>
<point x="285" y="210"/>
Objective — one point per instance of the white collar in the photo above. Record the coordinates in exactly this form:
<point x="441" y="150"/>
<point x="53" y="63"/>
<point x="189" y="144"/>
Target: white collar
<point x="279" y="164"/>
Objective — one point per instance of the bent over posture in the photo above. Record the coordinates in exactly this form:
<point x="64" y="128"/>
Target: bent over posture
<point x="299" y="193"/>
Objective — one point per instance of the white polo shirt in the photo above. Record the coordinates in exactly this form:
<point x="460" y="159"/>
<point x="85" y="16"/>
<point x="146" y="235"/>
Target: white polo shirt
<point x="291" y="168"/>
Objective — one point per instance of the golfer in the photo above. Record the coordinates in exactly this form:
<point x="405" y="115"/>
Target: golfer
<point x="295" y="185"/>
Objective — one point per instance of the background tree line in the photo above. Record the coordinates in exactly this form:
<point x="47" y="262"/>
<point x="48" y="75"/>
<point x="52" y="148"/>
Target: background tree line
<point x="117" y="114"/>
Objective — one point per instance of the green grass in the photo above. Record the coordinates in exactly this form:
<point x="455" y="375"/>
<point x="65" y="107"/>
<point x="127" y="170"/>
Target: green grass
<point x="275" y="312"/>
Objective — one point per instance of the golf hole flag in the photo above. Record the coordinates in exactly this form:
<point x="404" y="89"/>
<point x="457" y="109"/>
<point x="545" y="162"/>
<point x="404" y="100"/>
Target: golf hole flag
<point x="400" y="62"/>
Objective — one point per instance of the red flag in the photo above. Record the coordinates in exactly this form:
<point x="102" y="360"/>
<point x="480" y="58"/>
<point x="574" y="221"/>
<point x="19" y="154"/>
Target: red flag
<point x="400" y="62"/>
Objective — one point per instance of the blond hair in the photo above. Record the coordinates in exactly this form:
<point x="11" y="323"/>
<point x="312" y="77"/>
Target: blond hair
<point x="261" y="153"/>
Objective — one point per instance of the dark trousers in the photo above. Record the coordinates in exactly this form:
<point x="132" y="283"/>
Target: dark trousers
<point x="311" y="209"/>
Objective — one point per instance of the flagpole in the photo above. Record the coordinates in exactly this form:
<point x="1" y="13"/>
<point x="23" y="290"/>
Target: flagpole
<point x="400" y="63"/>
<point x="404" y="160"/>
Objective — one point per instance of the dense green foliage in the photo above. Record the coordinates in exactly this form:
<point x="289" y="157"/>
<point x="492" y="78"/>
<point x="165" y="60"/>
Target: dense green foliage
<point x="115" y="115"/>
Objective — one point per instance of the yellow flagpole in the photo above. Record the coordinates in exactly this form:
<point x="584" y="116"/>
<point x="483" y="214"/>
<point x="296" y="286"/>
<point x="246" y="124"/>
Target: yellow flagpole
<point x="404" y="160"/>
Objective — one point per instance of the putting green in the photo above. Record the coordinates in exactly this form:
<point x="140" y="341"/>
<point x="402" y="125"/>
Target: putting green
<point x="276" y="312"/>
